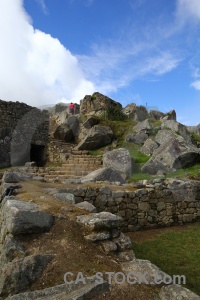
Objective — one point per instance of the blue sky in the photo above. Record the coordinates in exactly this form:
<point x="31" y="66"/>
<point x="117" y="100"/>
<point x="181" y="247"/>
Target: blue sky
<point x="141" y="51"/>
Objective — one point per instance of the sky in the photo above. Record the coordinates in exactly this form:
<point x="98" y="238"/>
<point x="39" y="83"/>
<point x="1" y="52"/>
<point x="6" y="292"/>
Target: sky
<point x="134" y="51"/>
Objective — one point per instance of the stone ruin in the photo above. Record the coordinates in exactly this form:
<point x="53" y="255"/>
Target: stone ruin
<point x="23" y="134"/>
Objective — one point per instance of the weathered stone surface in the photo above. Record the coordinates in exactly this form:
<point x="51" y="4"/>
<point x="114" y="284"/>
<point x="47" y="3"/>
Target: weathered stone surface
<point x="87" y="206"/>
<point x="171" y="115"/>
<point x="142" y="126"/>
<point x="103" y="174"/>
<point x="18" y="275"/>
<point x="195" y="129"/>
<point x="177" y="128"/>
<point x="156" y="114"/>
<point x="137" y="113"/>
<point x="11" y="249"/>
<point x="139" y="266"/>
<point x="64" y="133"/>
<point x="172" y="155"/>
<point x="120" y="160"/>
<point x="164" y="135"/>
<point x="108" y="247"/>
<point x="10" y="177"/>
<point x="137" y="138"/>
<point x="149" y="147"/>
<point x="97" y="137"/>
<point x="90" y="122"/>
<point x="30" y="164"/>
<point x="123" y="242"/>
<point x="98" y="236"/>
<point x="98" y="221"/>
<point x="25" y="217"/>
<point x="96" y="104"/>
<point x="73" y="123"/>
<point x="125" y="256"/>
<point x="65" y="197"/>
<point x="89" y="289"/>
<point x="177" y="292"/>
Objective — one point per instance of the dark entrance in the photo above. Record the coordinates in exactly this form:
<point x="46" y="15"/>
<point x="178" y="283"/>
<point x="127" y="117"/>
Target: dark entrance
<point x="37" y="154"/>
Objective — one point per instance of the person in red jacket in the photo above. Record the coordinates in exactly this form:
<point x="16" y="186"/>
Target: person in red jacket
<point x="71" y="108"/>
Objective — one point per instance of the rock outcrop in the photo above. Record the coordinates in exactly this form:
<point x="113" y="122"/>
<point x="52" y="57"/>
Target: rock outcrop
<point x="120" y="160"/>
<point x="144" y="126"/>
<point x="176" y="292"/>
<point x="149" y="147"/>
<point x="103" y="174"/>
<point x="177" y="128"/>
<point x="137" y="138"/>
<point x="104" y="230"/>
<point x="64" y="133"/>
<point x="137" y="113"/>
<point x="174" y="154"/>
<point x="97" y="137"/>
<point x="96" y="104"/>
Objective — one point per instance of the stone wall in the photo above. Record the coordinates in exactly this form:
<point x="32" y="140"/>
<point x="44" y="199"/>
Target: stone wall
<point x="23" y="133"/>
<point x="160" y="203"/>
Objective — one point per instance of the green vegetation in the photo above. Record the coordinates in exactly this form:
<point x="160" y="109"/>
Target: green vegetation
<point x="115" y="114"/>
<point x="120" y="128"/>
<point x="155" y="123"/>
<point x="174" y="252"/>
<point x="195" y="137"/>
<point x="192" y="172"/>
<point x="95" y="152"/>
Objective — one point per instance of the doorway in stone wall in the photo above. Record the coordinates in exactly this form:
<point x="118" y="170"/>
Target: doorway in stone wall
<point x="37" y="154"/>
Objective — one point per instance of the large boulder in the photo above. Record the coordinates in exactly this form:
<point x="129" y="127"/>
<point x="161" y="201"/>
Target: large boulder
<point x="137" y="138"/>
<point x="156" y="114"/>
<point x="177" y="292"/>
<point x="96" y="104"/>
<point x="194" y="129"/>
<point x="88" y="288"/>
<point x="90" y="122"/>
<point x="18" y="275"/>
<point x="73" y="123"/>
<point x="24" y="217"/>
<point x="120" y="160"/>
<point x="98" y="221"/>
<point x="137" y="113"/>
<point x="97" y="137"/>
<point x="171" y="115"/>
<point x="103" y="174"/>
<point x="64" y="133"/>
<point x="177" y="128"/>
<point x="174" y="154"/>
<point x="149" y="147"/>
<point x="10" y="177"/>
<point x="164" y="135"/>
<point x="143" y="126"/>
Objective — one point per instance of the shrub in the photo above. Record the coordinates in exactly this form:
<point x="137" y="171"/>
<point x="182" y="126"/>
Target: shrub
<point x="114" y="113"/>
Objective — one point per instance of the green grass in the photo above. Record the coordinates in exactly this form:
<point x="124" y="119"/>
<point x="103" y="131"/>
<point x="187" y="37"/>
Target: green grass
<point x="120" y="128"/>
<point x="192" y="172"/>
<point x="195" y="137"/>
<point x="155" y="123"/>
<point x="95" y="152"/>
<point x="176" y="253"/>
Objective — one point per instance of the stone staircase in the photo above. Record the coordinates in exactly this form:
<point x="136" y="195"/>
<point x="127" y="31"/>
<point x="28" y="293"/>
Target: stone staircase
<point x="77" y="165"/>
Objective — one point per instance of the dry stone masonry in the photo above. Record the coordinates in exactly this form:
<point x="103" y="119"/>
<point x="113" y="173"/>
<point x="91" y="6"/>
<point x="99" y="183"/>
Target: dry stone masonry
<point x="23" y="133"/>
<point x="158" y="203"/>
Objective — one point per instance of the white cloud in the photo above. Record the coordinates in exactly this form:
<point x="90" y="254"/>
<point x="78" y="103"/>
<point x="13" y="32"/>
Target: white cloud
<point x="196" y="85"/>
<point x="35" y="68"/>
<point x="43" y="6"/>
<point x="188" y="10"/>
